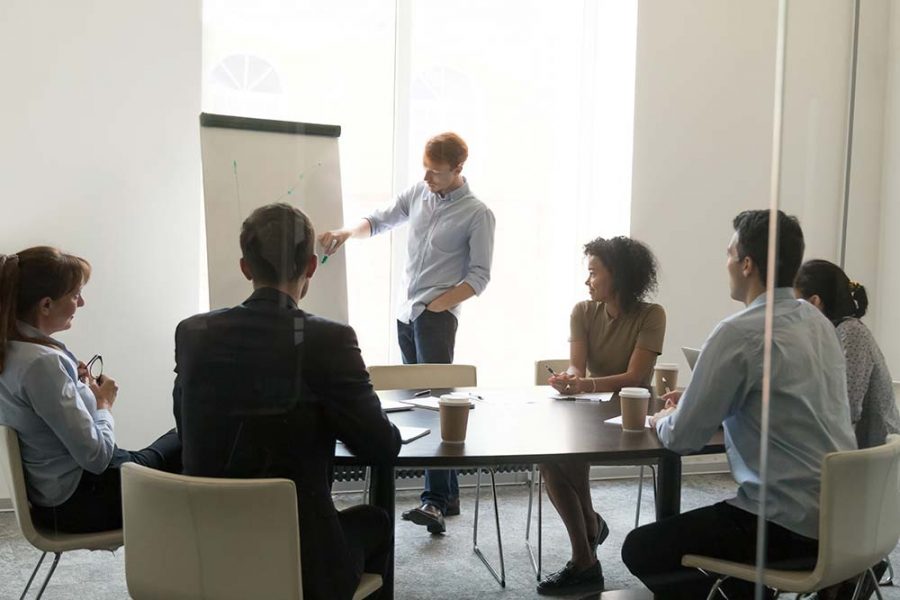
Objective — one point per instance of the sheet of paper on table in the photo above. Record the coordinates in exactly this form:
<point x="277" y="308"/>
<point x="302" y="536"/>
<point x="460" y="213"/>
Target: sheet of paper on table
<point x="594" y="397"/>
<point x="430" y="402"/>
<point x="618" y="421"/>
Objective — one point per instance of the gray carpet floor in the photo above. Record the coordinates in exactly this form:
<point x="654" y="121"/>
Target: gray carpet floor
<point x="427" y="567"/>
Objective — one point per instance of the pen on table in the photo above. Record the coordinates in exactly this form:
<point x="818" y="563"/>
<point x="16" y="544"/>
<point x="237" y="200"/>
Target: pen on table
<point x="329" y="250"/>
<point x="422" y="393"/>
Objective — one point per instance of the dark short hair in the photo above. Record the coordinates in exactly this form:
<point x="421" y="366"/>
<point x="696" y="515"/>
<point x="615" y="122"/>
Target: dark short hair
<point x="631" y="265"/>
<point x="752" y="227"/>
<point x="277" y="242"/>
<point x="841" y="298"/>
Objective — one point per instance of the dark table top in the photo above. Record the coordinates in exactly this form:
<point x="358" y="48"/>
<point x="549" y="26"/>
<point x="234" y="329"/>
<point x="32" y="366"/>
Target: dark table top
<point x="523" y="425"/>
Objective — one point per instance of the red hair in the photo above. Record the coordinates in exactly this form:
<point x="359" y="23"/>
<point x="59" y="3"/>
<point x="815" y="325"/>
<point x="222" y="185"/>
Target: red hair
<point x="448" y="148"/>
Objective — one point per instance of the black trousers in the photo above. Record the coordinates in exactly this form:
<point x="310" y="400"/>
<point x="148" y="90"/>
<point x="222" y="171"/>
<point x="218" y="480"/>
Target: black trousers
<point x="653" y="552"/>
<point x="96" y="504"/>
<point x="369" y="537"/>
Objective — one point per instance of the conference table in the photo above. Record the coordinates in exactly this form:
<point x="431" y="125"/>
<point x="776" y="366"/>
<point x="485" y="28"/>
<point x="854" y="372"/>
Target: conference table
<point x="524" y="426"/>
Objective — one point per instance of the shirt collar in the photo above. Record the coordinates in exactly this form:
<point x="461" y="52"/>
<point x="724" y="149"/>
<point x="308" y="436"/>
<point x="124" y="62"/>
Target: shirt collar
<point x="30" y="331"/>
<point x="458" y="193"/>
<point x="782" y="293"/>
<point x="271" y="295"/>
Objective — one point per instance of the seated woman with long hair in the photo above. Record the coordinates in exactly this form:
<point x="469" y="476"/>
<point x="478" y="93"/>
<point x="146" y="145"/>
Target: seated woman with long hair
<point x="615" y="339"/>
<point x="873" y="410"/>
<point x="60" y="413"/>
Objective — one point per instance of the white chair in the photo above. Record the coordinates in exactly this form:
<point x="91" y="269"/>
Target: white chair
<point x="204" y="538"/>
<point x="42" y="539"/>
<point x="859" y="524"/>
<point x="438" y="376"/>
<point x="540" y="378"/>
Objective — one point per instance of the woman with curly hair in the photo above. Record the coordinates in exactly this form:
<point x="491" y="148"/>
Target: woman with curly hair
<point x="873" y="410"/>
<point x="615" y="339"/>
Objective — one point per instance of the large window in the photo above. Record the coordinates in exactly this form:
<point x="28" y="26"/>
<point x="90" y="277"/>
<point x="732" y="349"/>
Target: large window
<point x="541" y="91"/>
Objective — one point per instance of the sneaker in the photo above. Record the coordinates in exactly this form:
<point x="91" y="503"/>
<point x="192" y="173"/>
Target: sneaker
<point x="602" y="533"/>
<point x="428" y="515"/>
<point x="452" y="507"/>
<point x="569" y="581"/>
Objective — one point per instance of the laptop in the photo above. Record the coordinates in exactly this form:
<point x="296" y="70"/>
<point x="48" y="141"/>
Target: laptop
<point x="691" y="355"/>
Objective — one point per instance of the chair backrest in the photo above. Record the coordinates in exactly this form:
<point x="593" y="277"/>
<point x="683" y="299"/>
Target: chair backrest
<point x="859" y="522"/>
<point x="14" y="476"/>
<point x="401" y="377"/>
<point x="200" y="537"/>
<point x="540" y="368"/>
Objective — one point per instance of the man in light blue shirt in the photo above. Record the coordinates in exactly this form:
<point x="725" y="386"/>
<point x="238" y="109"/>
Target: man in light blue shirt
<point x="449" y="252"/>
<point x="809" y="417"/>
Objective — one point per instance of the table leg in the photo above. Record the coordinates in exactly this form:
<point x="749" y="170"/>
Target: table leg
<point x="669" y="499"/>
<point x="382" y="494"/>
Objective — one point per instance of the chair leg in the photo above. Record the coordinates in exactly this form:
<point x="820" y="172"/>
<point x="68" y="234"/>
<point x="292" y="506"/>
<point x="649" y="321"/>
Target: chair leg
<point x="535" y="562"/>
<point x="637" y="511"/>
<point x="501" y="578"/>
<point x="365" y="498"/>
<point x="871" y="574"/>
<point x="49" y="574"/>
<point x="859" y="585"/>
<point x="890" y="574"/>
<point x="716" y="589"/>
<point x="33" y="573"/>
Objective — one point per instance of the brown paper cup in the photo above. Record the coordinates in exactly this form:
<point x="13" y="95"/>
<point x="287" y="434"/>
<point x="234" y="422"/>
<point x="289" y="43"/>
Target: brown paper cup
<point x="454" y="411"/>
<point x="634" y="403"/>
<point x="669" y="371"/>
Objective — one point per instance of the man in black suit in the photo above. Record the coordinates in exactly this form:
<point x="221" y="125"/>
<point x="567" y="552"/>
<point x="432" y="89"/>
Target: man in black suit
<point x="264" y="390"/>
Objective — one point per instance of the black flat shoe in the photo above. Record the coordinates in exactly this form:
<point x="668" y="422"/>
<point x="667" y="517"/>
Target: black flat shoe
<point x="602" y="533"/>
<point x="569" y="581"/>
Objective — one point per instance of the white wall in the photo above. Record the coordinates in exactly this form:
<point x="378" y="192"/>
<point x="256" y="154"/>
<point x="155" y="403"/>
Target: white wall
<point x="866" y="202"/>
<point x="703" y="131"/>
<point x="885" y="303"/>
<point x="100" y="155"/>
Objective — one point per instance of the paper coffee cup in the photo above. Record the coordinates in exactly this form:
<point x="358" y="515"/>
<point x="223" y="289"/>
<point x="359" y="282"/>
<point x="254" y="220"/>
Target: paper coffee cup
<point x="634" y="403"/>
<point x="667" y="371"/>
<point x="454" y="413"/>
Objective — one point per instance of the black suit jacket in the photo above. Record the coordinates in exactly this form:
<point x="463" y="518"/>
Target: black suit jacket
<point x="264" y="390"/>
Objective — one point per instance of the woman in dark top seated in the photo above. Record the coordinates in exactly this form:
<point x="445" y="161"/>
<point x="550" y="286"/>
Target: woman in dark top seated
<point x="59" y="411"/>
<point x="873" y="409"/>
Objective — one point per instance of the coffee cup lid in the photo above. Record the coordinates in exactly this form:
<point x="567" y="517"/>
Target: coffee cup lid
<point x="666" y="366"/>
<point x="455" y="399"/>
<point x="634" y="392"/>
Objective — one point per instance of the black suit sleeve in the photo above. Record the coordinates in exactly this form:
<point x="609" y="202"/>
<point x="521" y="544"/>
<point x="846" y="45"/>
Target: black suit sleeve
<point x="350" y="405"/>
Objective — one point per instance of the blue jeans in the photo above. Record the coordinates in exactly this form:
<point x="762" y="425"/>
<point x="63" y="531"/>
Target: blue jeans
<point x="430" y="338"/>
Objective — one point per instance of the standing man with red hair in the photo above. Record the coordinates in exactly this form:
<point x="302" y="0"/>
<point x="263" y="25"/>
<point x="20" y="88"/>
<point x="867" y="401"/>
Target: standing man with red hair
<point x="449" y="252"/>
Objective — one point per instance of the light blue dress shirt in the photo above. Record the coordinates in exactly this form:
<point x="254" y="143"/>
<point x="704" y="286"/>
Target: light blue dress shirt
<point x="61" y="431"/>
<point x="451" y="241"/>
<point x="809" y="413"/>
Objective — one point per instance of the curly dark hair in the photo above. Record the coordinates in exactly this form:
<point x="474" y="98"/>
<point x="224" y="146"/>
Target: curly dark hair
<point x="631" y="265"/>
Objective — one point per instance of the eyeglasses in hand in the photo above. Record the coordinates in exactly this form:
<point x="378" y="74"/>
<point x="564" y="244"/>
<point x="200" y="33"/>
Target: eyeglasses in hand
<point x="95" y="367"/>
